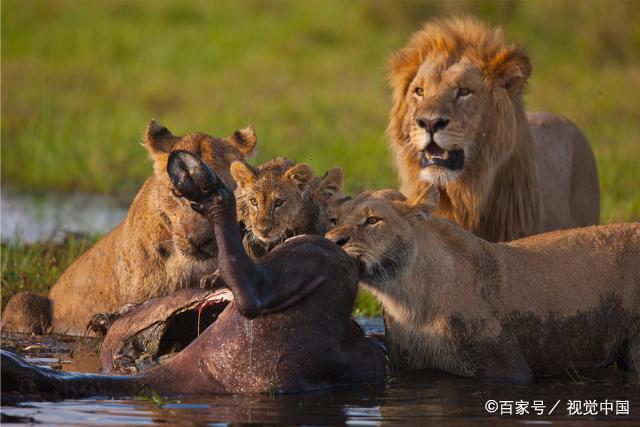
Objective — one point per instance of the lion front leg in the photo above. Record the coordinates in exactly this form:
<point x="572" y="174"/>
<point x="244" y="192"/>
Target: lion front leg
<point x="507" y="365"/>
<point x="484" y="349"/>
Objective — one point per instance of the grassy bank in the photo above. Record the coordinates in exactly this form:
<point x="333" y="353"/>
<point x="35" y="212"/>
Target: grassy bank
<point x="36" y="267"/>
<point x="81" y="79"/>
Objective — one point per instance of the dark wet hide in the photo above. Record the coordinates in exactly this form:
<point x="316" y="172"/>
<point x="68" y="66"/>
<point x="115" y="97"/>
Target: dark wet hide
<point x="160" y="328"/>
<point x="592" y="338"/>
<point x="165" y="339"/>
<point x="548" y="344"/>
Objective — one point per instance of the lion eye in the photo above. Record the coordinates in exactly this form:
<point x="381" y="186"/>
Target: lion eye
<point x="372" y="220"/>
<point x="253" y="202"/>
<point x="175" y="193"/>
<point x="278" y="202"/>
<point x="464" y="91"/>
<point x="419" y="91"/>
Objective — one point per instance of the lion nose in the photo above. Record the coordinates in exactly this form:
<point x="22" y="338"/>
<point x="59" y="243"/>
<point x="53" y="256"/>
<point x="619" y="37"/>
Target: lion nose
<point x="339" y="240"/>
<point x="432" y="125"/>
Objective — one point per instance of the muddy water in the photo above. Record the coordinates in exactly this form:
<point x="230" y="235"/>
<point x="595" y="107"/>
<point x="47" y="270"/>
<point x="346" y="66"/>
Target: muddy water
<point x="31" y="218"/>
<point x="413" y="398"/>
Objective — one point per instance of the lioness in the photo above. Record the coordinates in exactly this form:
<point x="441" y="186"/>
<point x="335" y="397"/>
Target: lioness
<point x="281" y="199"/>
<point x="458" y="123"/>
<point x="161" y="246"/>
<point x="535" y="306"/>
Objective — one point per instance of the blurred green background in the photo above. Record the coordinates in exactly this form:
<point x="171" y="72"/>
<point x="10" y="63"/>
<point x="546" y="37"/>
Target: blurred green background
<point x="81" y="79"/>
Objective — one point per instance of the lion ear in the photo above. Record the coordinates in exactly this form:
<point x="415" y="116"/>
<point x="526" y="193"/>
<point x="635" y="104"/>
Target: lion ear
<point x="511" y="69"/>
<point x="425" y="201"/>
<point x="330" y="184"/>
<point x="245" y="140"/>
<point x="242" y="174"/>
<point x="300" y="174"/>
<point x="158" y="139"/>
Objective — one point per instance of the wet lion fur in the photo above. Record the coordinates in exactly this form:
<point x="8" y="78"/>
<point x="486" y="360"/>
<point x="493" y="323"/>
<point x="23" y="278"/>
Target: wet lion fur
<point x="522" y="174"/>
<point x="561" y="300"/>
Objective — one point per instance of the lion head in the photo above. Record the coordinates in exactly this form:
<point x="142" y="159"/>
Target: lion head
<point x="274" y="197"/>
<point x="455" y="86"/>
<point x="191" y="233"/>
<point x="281" y="199"/>
<point x="458" y="123"/>
<point x="377" y="229"/>
<point x="327" y="194"/>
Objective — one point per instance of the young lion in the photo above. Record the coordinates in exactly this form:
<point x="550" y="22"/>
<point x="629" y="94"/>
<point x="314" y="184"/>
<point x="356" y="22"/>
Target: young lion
<point x="458" y="122"/>
<point x="281" y="199"/>
<point x="162" y="245"/>
<point x="535" y="306"/>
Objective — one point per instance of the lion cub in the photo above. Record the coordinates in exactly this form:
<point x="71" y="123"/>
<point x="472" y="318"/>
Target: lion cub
<point x="535" y="306"/>
<point x="281" y="199"/>
<point x="162" y="245"/>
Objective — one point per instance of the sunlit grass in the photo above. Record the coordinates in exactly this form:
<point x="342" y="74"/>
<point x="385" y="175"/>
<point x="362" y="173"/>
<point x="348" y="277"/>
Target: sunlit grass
<point x="82" y="79"/>
<point x="367" y="305"/>
<point x="36" y="267"/>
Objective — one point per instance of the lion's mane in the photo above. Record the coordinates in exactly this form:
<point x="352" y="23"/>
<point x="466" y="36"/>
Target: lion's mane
<point x="499" y="198"/>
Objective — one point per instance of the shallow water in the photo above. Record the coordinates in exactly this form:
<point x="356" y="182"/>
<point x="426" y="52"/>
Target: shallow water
<point x="413" y="398"/>
<point x="32" y="218"/>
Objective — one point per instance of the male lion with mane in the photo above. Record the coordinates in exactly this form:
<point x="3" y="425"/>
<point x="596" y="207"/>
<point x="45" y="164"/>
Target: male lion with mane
<point x="458" y="123"/>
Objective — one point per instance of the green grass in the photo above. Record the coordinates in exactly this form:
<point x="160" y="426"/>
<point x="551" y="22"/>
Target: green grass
<point x="36" y="267"/>
<point x="81" y="79"/>
<point x="367" y="305"/>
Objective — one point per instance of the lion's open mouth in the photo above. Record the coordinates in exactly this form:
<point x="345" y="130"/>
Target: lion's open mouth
<point x="434" y="155"/>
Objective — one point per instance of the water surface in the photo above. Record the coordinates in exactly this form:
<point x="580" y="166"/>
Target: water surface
<point x="48" y="217"/>
<point x="413" y="398"/>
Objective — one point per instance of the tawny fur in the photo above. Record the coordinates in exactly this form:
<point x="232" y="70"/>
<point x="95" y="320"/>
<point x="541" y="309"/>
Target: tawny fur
<point x="561" y="300"/>
<point x="27" y="312"/>
<point x="161" y="246"/>
<point x="281" y="199"/>
<point x="522" y="174"/>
